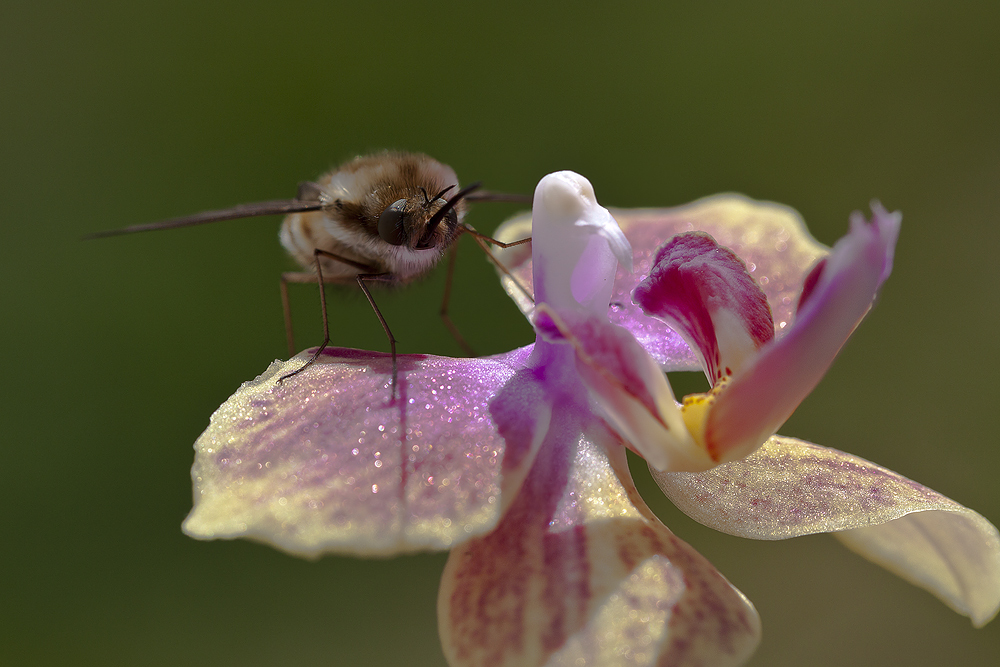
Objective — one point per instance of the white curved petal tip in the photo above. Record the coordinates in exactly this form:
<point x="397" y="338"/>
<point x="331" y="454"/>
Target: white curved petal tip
<point x="953" y="553"/>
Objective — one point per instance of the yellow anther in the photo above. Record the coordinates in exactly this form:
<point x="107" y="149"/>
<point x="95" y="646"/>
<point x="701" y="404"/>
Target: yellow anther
<point x="695" y="408"/>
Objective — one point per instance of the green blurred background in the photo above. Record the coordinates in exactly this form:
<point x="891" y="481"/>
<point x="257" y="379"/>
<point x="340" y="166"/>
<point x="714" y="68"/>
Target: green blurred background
<point x="117" y="351"/>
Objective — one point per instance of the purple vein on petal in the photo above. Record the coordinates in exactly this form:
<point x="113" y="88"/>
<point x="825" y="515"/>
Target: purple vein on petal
<point x="576" y="570"/>
<point x="790" y="487"/>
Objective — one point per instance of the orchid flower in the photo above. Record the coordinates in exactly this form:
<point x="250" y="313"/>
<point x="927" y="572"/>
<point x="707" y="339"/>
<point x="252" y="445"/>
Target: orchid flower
<point x="517" y="462"/>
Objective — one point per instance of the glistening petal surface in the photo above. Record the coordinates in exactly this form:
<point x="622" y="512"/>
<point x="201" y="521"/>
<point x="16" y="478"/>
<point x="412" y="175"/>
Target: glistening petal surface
<point x="790" y="487"/>
<point x="327" y="461"/>
<point x="770" y="238"/>
<point x="579" y="572"/>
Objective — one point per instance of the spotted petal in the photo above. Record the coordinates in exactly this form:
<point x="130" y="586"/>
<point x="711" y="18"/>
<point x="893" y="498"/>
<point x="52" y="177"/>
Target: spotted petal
<point x="770" y="238"/>
<point x="580" y="572"/>
<point x="328" y="461"/>
<point x="789" y="487"/>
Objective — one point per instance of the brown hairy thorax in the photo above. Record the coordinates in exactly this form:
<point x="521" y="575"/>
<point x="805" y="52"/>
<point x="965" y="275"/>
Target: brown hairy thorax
<point x="355" y="197"/>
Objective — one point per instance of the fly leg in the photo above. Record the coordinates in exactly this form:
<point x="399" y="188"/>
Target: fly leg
<point x="305" y="277"/>
<point x="452" y="255"/>
<point x="482" y="240"/>
<point x="286" y="308"/>
<point x="384" y="277"/>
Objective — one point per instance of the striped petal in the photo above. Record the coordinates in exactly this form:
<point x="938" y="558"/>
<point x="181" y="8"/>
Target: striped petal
<point x="704" y="292"/>
<point x="770" y="238"/>
<point x="760" y="399"/>
<point x="328" y="461"/>
<point x="580" y="572"/>
<point x="789" y="487"/>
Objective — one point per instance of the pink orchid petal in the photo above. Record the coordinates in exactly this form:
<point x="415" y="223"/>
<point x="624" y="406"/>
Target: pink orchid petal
<point x="327" y="461"/>
<point x="770" y="238"/>
<point x="580" y="572"/>
<point x="703" y="291"/>
<point x="760" y="399"/>
<point x="789" y="487"/>
<point x="628" y="387"/>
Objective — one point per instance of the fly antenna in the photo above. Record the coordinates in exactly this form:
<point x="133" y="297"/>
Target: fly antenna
<point x="436" y="219"/>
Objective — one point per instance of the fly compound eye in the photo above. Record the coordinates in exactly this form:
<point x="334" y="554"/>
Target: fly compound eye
<point x="390" y="223"/>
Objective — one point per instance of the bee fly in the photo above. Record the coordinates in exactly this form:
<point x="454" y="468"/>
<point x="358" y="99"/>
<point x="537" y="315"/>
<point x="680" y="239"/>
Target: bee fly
<point x="387" y="217"/>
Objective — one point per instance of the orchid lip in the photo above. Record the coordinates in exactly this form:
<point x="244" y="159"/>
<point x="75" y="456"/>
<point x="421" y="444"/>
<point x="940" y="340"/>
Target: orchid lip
<point x="706" y="293"/>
